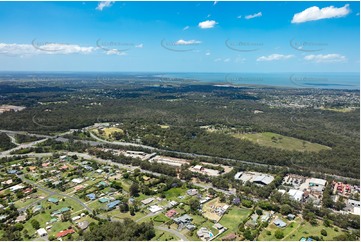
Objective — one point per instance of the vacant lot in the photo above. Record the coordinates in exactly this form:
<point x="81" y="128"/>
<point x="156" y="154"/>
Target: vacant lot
<point x="297" y="229"/>
<point x="306" y="229"/>
<point x="107" y="132"/>
<point x="282" y="142"/>
<point x="233" y="218"/>
<point x="174" y="193"/>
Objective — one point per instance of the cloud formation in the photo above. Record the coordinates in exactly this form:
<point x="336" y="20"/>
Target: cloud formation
<point x="187" y="42"/>
<point x="274" y="57"/>
<point x="315" y="13"/>
<point x="46" y="48"/>
<point x="259" y="14"/>
<point x="104" y="4"/>
<point x="208" y="24"/>
<point x="327" y="58"/>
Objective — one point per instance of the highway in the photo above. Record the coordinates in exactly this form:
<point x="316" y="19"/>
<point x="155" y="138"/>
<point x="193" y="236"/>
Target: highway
<point x="100" y="142"/>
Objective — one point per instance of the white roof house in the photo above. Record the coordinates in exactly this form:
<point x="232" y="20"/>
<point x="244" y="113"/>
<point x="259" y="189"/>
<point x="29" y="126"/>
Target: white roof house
<point x="296" y="194"/>
<point x="75" y="218"/>
<point x="42" y="232"/>
<point x="155" y="208"/>
<point x="77" y="180"/>
<point x="148" y="200"/>
<point x="16" y="187"/>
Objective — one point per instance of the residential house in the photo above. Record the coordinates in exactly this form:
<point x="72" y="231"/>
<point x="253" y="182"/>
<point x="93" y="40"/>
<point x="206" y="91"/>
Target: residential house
<point x="53" y="200"/>
<point x="184" y="219"/>
<point x="42" y="232"/>
<point x="65" y="233"/>
<point x="83" y="225"/>
<point x="113" y="204"/>
<point x="91" y="196"/>
<point x="147" y="201"/>
<point x="279" y="223"/>
<point x="171" y="213"/>
<point x="155" y="208"/>
<point x="192" y="192"/>
<point x="204" y="234"/>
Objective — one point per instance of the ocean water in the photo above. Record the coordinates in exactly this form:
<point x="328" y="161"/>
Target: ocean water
<point x="349" y="80"/>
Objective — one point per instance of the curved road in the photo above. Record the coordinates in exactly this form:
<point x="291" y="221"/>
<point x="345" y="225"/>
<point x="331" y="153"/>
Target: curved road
<point x="50" y="192"/>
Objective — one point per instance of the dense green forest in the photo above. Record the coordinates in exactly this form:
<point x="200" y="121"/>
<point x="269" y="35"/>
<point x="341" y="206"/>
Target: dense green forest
<point x="141" y="109"/>
<point x="21" y="138"/>
<point x="5" y="142"/>
<point x="128" y="230"/>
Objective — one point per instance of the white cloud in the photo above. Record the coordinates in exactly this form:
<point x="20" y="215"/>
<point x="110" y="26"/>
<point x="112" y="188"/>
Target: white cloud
<point x="208" y="24"/>
<point x="259" y="14"/>
<point x="315" y="13"/>
<point x="239" y="16"/>
<point x="186" y="27"/>
<point x="47" y="48"/>
<point x="214" y="3"/>
<point x="139" y="46"/>
<point x="221" y="59"/>
<point x="327" y="58"/>
<point x="274" y="57"/>
<point x="114" y="52"/>
<point x="104" y="4"/>
<point x="187" y="42"/>
<point x="208" y="53"/>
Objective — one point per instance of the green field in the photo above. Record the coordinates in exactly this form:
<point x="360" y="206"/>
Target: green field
<point x="233" y="218"/>
<point x="281" y="142"/>
<point x="164" y="236"/>
<point x="174" y="193"/>
<point x="306" y="229"/>
<point x="297" y="229"/>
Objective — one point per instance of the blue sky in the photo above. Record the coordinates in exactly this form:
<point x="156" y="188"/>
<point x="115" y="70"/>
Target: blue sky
<point x="180" y="36"/>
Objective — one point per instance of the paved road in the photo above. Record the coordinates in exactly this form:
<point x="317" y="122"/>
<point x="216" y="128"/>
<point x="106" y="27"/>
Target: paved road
<point x="27" y="145"/>
<point x="50" y="192"/>
<point x="147" y="216"/>
<point x="13" y="140"/>
<point x="191" y="155"/>
<point x="172" y="231"/>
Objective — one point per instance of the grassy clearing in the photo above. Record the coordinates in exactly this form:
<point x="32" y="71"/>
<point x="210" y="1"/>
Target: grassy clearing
<point x="174" y="193"/>
<point x="117" y="214"/>
<point x="25" y="202"/>
<point x="297" y="229"/>
<point x="306" y="229"/>
<point x="281" y="142"/>
<point x="107" y="132"/>
<point x="161" y="235"/>
<point x="233" y="218"/>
